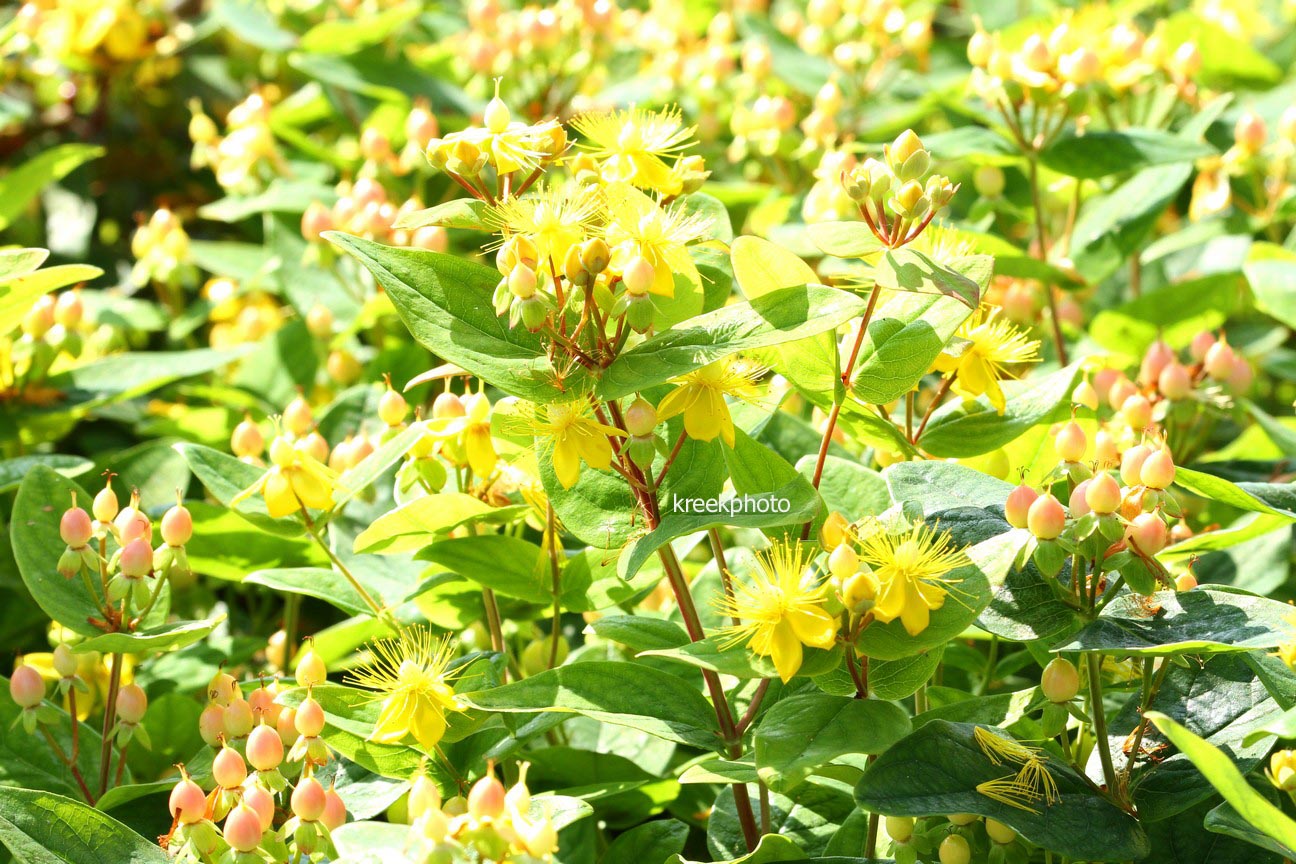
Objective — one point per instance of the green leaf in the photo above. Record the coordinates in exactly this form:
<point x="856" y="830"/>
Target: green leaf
<point x="20" y="262"/>
<point x="783" y="315"/>
<point x="226" y="546"/>
<point x="1202" y="621"/>
<point x="25" y="764"/>
<point x="969" y="588"/>
<point x="904" y="337"/>
<point x="18" y="293"/>
<point x="412" y="526"/>
<point x="718" y="653"/>
<point x="281" y="196"/>
<point x="12" y="471"/>
<point x="650" y="843"/>
<point x="507" y="565"/>
<point x="805" y="821"/>
<point x="622" y="694"/>
<point x="43" y="828"/>
<point x="936" y="770"/>
<point x="1271" y="270"/>
<point x="1219" y="769"/>
<point x="446" y="304"/>
<point x="961" y="429"/>
<point x="639" y="632"/>
<point x="938" y="486"/>
<point x="1188" y="838"/>
<point x="801" y="734"/>
<point x="162" y="637"/>
<point x="1098" y="154"/>
<point x="1115" y="225"/>
<point x="896" y="679"/>
<point x="1225" y="819"/>
<point x="348" y="35"/>
<point x="1221" y="490"/>
<point x="761" y="267"/>
<point x="910" y="270"/>
<point x="970" y="142"/>
<point x="1227" y="59"/>
<point x="803" y="72"/>
<point x="1173" y="313"/>
<point x="20" y="186"/>
<point x="458" y="213"/>
<point x="253" y="23"/>
<point x="844" y="239"/>
<point x="1219" y="699"/>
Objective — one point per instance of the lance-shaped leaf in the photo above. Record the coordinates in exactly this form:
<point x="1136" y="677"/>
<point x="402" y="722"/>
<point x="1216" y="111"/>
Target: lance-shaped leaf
<point x="803" y="733"/>
<point x="1098" y="154"/>
<point x="936" y="771"/>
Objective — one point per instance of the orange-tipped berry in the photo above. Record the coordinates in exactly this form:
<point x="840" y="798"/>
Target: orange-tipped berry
<point x="1046" y="518"/>
<point x="1018" y="505"/>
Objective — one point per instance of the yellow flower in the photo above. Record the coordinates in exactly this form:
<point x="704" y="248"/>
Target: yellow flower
<point x="576" y="436"/>
<point x="634" y="145"/>
<point x="410" y="673"/>
<point x="782" y="608"/>
<point x="1211" y="193"/>
<point x="638" y="228"/>
<point x="471" y="430"/>
<point x="295" y="478"/>
<point x="700" y="397"/>
<point x="910" y="567"/>
<point x="989" y="345"/>
<point x="554" y="219"/>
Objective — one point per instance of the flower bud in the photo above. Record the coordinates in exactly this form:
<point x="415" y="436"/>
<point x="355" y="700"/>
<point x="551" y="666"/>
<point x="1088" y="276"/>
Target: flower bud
<point x="834" y="532"/>
<point x="843" y="562"/>
<point x="574" y="268"/>
<point x="909" y="201"/>
<point x="297" y="417"/>
<point x="310" y="669"/>
<point x="595" y="255"/>
<point x="1046" y="518"/>
<point x="177" y="526"/>
<point x="860" y="590"/>
<point x="638" y="276"/>
<point x="1018" y="505"/>
<point x="1250" y="133"/>
<point x="246" y="441"/>
<point x="979" y="48"/>
<point x="65" y="662"/>
<point x="1282" y="769"/>
<point x="906" y="144"/>
<point x="522" y="282"/>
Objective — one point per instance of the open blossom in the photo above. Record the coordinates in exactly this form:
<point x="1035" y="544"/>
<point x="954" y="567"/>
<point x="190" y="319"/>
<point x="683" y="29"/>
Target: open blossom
<point x="986" y="346"/>
<point x="637" y="227"/>
<point x="911" y="569"/>
<point x="781" y="609"/>
<point x="700" y="397"/>
<point x="295" y="479"/>
<point x="574" y="436"/>
<point x="634" y="145"/>
<point x="412" y="675"/>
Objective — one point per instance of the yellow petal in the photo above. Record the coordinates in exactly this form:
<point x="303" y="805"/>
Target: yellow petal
<point x="566" y="462"/>
<point x="916" y="616"/>
<point x="785" y="651"/>
<point x="394" y="719"/>
<point x="707" y="416"/>
<point x="428" y="724"/>
<point x="481" y="450"/>
<point x="891" y="600"/>
<point x="814" y="626"/>
<point x="279" y="497"/>
<point x="593" y="447"/>
<point x="677" y="401"/>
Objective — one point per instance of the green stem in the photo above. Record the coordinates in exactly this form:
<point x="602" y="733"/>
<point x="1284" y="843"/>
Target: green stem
<point x="1096" y="711"/>
<point x="291" y="623"/>
<point x="1059" y="343"/>
<point x="110" y="711"/>
<point x="313" y="529"/>
<point x="551" y="527"/>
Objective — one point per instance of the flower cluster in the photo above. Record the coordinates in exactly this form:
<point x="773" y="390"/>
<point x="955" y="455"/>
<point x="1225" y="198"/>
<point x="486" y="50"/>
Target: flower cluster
<point x="161" y="250"/>
<point x="491" y="824"/>
<point x="246" y="155"/>
<point x="362" y="208"/>
<point x="891" y="193"/>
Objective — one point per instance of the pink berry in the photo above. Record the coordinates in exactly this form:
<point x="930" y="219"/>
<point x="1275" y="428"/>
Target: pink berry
<point x="211" y="724"/>
<point x="228" y="769"/>
<point x="1158" y="356"/>
<point x="265" y="749"/>
<point x="1103" y="494"/>
<point x="131" y="525"/>
<point x="132" y="702"/>
<point x="1070" y="442"/>
<point x="1119" y="392"/>
<point x="243" y="828"/>
<point x="1175" y="382"/>
<point x="1046" y="518"/>
<point x="310" y="718"/>
<point x="1018" y="505"/>
<point x="335" y="814"/>
<point x="286" y="726"/>
<point x="136" y="560"/>
<point x="486" y="798"/>
<point x="447" y="405"/>
<point x="1077" y="503"/>
<point x="177" y="526"/>
<point x="1218" y="362"/>
<point x="1131" y="466"/>
<point x="1148" y="533"/>
<point x="1158" y="470"/>
<point x="308" y="799"/>
<point x="1137" y="411"/>
<point x="188" y="803"/>
<point x="75" y="528"/>
<point x="1239" y="380"/>
<point x="260" y="800"/>
<point x="238" y="718"/>
<point x="27" y="687"/>
<point x="1201" y="344"/>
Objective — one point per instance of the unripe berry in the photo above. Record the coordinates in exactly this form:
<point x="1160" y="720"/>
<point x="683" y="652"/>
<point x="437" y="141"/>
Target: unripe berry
<point x="188" y="803"/>
<point x="132" y="702"/>
<point x="26" y="687"/>
<point x="1201" y="343"/>
<point x="1185" y="582"/>
<point x="447" y="406"/>
<point x="222" y="688"/>
<point x="843" y="562"/>
<point x="522" y="282"/>
<point x="260" y="800"/>
<point x="899" y="828"/>
<point x="105" y="505"/>
<point x="834" y="531"/>
<point x="286" y="726"/>
<point x="1122" y="389"/>
<point x="297" y="417"/>
<point x="1018" y="505"/>
<point x="423" y="796"/>
<point x="308" y="799"/>
<point x="319" y="321"/>
<point x="1060" y="681"/>
<point x="1137" y="411"/>
<point x="1175" y="382"/>
<point x="310" y="669"/>
<point x="75" y="528"/>
<point x="131" y="524"/>
<point x="392" y="408"/>
<point x="1159" y="355"/>
<point x="238" y="718"/>
<point x="988" y="181"/>
<point x="65" y="662"/>
<point x="310" y="718"/>
<point x="265" y="750"/>
<point x="486" y="798"/>
<point x="1131" y="468"/>
<point x="136" y="559"/>
<point x="1250" y="133"/>
<point x="1158" y="470"/>
<point x="1218" y="362"/>
<point x="211" y="724"/>
<point x="955" y="850"/>
<point x="1070" y="443"/>
<point x="999" y="832"/>
<point x="261" y="701"/>
<point x="1148" y="533"/>
<point x="641" y="418"/>
<point x="314" y="445"/>
<point x="1085" y="395"/>
<point x="638" y="276"/>
<point x="1103" y="495"/>
<point x="1239" y="380"/>
<point x="1046" y="518"/>
<point x="246" y="440"/>
<point x="343" y="367"/>
<point x="243" y="828"/>
<point x="177" y="526"/>
<point x="228" y="768"/>
<point x="335" y="814"/>
<point x="1077" y="503"/>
